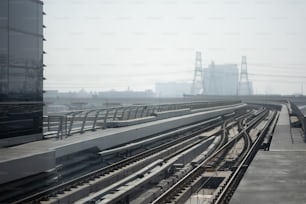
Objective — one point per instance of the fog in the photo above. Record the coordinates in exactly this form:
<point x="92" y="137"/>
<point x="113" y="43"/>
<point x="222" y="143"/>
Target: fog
<point x="116" y="44"/>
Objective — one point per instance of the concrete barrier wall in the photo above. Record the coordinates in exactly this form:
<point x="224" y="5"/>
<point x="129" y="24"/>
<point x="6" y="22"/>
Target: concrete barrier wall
<point x="25" y="166"/>
<point x="33" y="158"/>
<point x="114" y="137"/>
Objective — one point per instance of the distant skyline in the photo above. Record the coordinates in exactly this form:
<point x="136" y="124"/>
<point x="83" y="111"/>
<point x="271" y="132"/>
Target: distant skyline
<point x="115" y="44"/>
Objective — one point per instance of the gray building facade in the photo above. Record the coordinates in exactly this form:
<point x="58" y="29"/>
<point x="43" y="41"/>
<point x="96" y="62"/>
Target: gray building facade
<point x="221" y="79"/>
<point x="21" y="71"/>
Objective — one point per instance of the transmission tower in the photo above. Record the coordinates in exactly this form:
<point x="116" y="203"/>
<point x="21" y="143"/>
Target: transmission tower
<point x="197" y="83"/>
<point x="244" y="83"/>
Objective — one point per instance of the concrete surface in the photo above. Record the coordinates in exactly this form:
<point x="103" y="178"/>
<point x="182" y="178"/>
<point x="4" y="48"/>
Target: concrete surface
<point x="40" y="156"/>
<point x="277" y="177"/>
<point x="285" y="137"/>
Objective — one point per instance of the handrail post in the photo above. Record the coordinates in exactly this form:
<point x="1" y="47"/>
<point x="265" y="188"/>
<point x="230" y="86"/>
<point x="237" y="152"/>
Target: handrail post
<point x="73" y="114"/>
<point x="143" y="110"/>
<point x="65" y="125"/>
<point x="115" y="114"/>
<point x="71" y="123"/>
<point x="136" y="111"/>
<point x="129" y="113"/>
<point x="85" y="119"/>
<point x="123" y="112"/>
<point x="96" y="118"/>
<point x="148" y="111"/>
<point x="105" y="118"/>
<point x="60" y="128"/>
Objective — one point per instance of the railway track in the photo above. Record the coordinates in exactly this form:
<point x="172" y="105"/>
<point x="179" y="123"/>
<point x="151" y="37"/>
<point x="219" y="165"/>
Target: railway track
<point x="182" y="190"/>
<point x="122" y="191"/>
<point x="52" y="192"/>
<point x="150" y="166"/>
<point x="227" y="191"/>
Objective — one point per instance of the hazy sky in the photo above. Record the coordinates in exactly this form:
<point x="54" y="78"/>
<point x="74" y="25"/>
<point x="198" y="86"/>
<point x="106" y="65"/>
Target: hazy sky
<point x="116" y="44"/>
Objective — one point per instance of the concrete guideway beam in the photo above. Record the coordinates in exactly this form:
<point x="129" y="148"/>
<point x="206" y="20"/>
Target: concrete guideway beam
<point x="47" y="151"/>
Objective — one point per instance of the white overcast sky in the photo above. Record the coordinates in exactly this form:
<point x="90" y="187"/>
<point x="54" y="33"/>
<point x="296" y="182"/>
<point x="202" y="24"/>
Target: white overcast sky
<point x="116" y="44"/>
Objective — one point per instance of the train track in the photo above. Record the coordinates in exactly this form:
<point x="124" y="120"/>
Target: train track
<point x="121" y="191"/>
<point x="111" y="169"/>
<point x="177" y="193"/>
<point x="228" y="190"/>
<point x="121" y="173"/>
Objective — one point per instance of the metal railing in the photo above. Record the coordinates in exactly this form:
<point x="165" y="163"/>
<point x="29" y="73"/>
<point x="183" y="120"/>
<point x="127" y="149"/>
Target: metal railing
<point x="293" y="109"/>
<point x="65" y="124"/>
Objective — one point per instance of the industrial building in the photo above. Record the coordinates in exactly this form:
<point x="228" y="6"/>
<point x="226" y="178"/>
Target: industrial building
<point x="221" y="79"/>
<point x="21" y="71"/>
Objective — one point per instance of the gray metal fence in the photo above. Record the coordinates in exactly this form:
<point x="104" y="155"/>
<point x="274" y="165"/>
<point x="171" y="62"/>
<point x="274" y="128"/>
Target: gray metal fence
<point x="298" y="113"/>
<point x="64" y="124"/>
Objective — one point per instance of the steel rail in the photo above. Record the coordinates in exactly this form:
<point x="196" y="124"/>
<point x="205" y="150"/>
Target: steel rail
<point x="92" y="175"/>
<point x="99" y="195"/>
<point x="52" y="191"/>
<point x="188" y="146"/>
<point x="192" y="175"/>
<point x="224" y="196"/>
